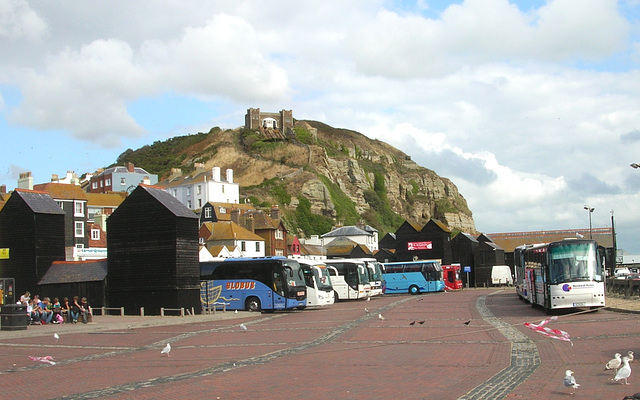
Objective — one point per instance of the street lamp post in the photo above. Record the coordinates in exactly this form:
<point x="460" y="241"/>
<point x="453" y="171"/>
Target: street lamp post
<point x="589" y="210"/>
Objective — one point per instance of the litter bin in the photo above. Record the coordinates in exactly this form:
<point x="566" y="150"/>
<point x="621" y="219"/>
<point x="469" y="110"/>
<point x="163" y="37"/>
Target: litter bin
<point x="13" y="317"/>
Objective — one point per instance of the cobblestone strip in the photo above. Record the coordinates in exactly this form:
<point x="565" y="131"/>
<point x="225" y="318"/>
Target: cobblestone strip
<point x="228" y="366"/>
<point x="524" y="360"/>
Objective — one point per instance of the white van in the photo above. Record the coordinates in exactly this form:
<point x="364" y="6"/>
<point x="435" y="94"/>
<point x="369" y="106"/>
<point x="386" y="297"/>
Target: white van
<point x="501" y="275"/>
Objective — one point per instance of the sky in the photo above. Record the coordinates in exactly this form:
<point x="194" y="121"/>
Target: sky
<point x="531" y="108"/>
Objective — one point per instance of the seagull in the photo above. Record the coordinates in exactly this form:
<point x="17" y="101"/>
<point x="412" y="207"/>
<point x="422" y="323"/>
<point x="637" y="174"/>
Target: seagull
<point x="380" y="317"/>
<point x="56" y="337"/>
<point x="243" y="327"/>
<point x="166" y="349"/>
<point x="624" y="372"/>
<point x="570" y="381"/>
<point x="366" y="310"/>
<point x="235" y="312"/>
<point x="614" y="363"/>
<point x="468" y="322"/>
<point x="412" y="323"/>
<point x="421" y="322"/>
<point x="630" y="355"/>
<point x="368" y="299"/>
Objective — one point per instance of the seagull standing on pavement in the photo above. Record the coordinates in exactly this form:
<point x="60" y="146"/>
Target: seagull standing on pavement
<point x="570" y="381"/>
<point x="56" y="337"/>
<point x="614" y="363"/>
<point x="166" y="349"/>
<point x="380" y="317"/>
<point x="243" y="327"/>
<point x="630" y="355"/>
<point x="624" y="372"/>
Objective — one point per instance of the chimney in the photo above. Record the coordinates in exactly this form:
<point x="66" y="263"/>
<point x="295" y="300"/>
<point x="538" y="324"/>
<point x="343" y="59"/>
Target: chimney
<point x="130" y="167"/>
<point x="275" y="212"/>
<point x="230" y="175"/>
<point x="175" y="172"/>
<point x="235" y="215"/>
<point x="54" y="178"/>
<point x="249" y="223"/>
<point x="215" y="174"/>
<point x="3" y="189"/>
<point x="25" y="181"/>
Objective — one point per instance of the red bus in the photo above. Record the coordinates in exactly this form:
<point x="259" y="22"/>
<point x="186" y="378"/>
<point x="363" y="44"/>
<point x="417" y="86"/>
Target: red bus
<point x="452" y="279"/>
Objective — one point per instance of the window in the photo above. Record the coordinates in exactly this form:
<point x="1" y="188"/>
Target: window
<point x="78" y="208"/>
<point x="123" y="181"/>
<point x="279" y="252"/>
<point x="189" y="204"/>
<point x="243" y="246"/>
<point x="175" y="192"/>
<point x="94" y="185"/>
<point x="199" y="203"/>
<point x="222" y="188"/>
<point x="101" y="183"/>
<point x="79" y="229"/>
<point x="79" y="246"/>
<point x="257" y="247"/>
<point x="107" y="182"/>
<point x="60" y="204"/>
<point x="95" y="234"/>
<point x="199" y="189"/>
<point x="278" y="234"/>
<point x="188" y="190"/>
<point x="207" y="212"/>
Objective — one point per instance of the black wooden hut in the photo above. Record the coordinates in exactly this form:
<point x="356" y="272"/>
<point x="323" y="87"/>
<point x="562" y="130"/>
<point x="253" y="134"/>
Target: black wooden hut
<point x="485" y="257"/>
<point x="153" y="253"/>
<point x="463" y="247"/>
<point x="76" y="278"/>
<point x="432" y="242"/>
<point x="32" y="228"/>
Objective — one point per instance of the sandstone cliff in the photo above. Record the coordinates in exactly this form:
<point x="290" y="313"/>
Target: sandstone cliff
<point x="343" y="175"/>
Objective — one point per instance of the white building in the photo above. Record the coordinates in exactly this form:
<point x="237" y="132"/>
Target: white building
<point x="202" y="186"/>
<point x="361" y="234"/>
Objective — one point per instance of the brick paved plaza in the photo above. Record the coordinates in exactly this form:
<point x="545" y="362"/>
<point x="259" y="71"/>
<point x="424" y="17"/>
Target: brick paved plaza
<point x="341" y="352"/>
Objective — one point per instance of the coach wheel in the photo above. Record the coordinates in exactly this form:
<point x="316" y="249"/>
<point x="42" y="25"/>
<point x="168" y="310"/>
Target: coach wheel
<point x="414" y="290"/>
<point x="252" y="304"/>
<point x="336" y="298"/>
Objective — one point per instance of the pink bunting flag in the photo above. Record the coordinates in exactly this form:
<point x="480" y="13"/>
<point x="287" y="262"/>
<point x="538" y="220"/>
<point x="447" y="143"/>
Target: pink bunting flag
<point x="45" y="359"/>
<point x="550" y="332"/>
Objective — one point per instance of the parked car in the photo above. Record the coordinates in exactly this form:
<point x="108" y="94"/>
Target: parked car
<point x="633" y="276"/>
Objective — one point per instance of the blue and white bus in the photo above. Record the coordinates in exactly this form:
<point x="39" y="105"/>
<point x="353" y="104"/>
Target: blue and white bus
<point x="376" y="280"/>
<point x="414" y="277"/>
<point x="253" y="284"/>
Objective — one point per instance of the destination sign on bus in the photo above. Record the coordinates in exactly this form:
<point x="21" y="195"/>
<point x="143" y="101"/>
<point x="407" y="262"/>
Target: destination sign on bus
<point x="419" y="245"/>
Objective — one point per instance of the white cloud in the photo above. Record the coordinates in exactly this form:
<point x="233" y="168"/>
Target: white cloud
<point x="480" y="31"/>
<point x="18" y="20"/>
